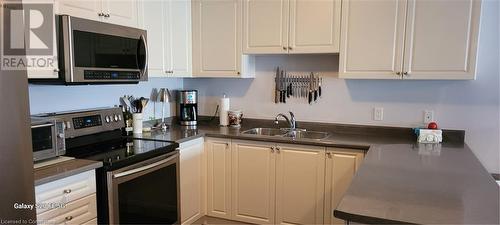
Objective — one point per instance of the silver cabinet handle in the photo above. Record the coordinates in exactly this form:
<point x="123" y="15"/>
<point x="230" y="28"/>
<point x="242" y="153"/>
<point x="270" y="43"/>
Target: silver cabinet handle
<point x="329" y="154"/>
<point x="290" y="48"/>
<point x="100" y="14"/>
<point x="398" y="73"/>
<point x="284" y="48"/>
<point x="406" y="73"/>
<point x="106" y="15"/>
<point x="278" y="149"/>
<point x="272" y="149"/>
<point x="68" y="218"/>
<point x="67" y="191"/>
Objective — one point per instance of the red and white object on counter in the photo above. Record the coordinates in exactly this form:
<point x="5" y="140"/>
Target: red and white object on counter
<point x="430" y="136"/>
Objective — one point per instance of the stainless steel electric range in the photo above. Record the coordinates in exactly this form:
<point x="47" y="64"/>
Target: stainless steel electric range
<point x="139" y="183"/>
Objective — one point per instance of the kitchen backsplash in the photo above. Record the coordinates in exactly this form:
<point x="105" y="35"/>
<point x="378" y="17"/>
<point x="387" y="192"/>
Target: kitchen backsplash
<point x="50" y="98"/>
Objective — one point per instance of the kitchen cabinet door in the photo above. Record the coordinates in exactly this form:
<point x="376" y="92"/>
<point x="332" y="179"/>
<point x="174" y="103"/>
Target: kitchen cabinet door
<point x="441" y="39"/>
<point x="265" y="26"/>
<point x="314" y="26"/>
<point x="300" y="183"/>
<point x="372" y="36"/>
<point x="217" y="44"/>
<point x="191" y="180"/>
<point x="341" y="165"/>
<point x="253" y="179"/>
<point x="153" y="22"/>
<point x="121" y="12"/>
<point x="87" y="9"/>
<point x="218" y="178"/>
<point x="179" y="38"/>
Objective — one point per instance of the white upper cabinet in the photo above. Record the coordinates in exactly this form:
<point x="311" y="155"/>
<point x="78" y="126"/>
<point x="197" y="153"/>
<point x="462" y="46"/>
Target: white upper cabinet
<point x="265" y="26"/>
<point x="88" y="9"/>
<point x="291" y="26"/>
<point x="314" y="26"/>
<point x="409" y="39"/>
<point x="168" y="24"/>
<point x="441" y="39"/>
<point x="121" y="12"/>
<point x="217" y="44"/>
<point x="372" y="39"/>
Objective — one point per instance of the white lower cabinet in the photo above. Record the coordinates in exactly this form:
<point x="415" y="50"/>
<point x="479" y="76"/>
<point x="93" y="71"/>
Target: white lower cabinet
<point x="77" y="193"/>
<point x="341" y="165"/>
<point x="218" y="153"/>
<point x="276" y="183"/>
<point x="273" y="183"/>
<point x="253" y="179"/>
<point x="192" y="180"/>
<point x="300" y="177"/>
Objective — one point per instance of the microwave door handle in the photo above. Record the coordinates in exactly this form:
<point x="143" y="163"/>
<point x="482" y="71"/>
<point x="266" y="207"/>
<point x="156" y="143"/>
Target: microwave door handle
<point x="146" y="167"/>
<point x="145" y="63"/>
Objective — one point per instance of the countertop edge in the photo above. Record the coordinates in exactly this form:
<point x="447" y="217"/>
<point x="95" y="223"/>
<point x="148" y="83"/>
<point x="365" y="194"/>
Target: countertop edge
<point x="68" y="173"/>
<point x="364" y="219"/>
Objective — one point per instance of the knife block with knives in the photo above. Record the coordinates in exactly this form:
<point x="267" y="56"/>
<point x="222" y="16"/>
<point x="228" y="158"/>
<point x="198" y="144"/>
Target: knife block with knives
<point x="296" y="86"/>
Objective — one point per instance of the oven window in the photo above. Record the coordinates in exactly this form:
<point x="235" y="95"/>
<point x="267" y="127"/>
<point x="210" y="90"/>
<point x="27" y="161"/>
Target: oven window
<point x="149" y="199"/>
<point x="41" y="138"/>
<point x="104" y="51"/>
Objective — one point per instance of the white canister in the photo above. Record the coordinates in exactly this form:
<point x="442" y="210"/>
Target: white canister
<point x="137" y="122"/>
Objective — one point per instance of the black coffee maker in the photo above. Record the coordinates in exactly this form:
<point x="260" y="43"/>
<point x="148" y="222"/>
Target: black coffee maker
<point x="188" y="107"/>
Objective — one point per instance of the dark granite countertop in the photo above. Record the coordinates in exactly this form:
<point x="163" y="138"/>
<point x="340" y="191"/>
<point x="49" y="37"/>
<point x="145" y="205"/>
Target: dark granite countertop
<point x="399" y="181"/>
<point x="64" y="169"/>
<point x="421" y="184"/>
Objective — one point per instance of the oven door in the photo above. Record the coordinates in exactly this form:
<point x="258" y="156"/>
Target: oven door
<point x="43" y="140"/>
<point x="145" y="193"/>
<point x="102" y="52"/>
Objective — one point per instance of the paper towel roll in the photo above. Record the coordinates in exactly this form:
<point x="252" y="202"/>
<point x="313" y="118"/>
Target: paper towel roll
<point x="223" y="108"/>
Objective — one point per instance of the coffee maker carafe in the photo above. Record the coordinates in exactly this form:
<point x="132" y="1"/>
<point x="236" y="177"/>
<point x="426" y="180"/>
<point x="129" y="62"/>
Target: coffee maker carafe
<point x="188" y="107"/>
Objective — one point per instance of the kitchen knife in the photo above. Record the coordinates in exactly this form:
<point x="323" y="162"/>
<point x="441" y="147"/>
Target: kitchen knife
<point x="282" y="88"/>
<point x="310" y="94"/>
<point x="287" y="85"/>
<point x="316" y="89"/>
<point x="319" y="86"/>
<point x="276" y="87"/>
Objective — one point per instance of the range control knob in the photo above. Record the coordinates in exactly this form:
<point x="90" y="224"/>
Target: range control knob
<point x="108" y="119"/>
<point x="116" y="117"/>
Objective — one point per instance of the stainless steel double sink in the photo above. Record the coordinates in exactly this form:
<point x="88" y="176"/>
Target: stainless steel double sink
<point x="294" y="134"/>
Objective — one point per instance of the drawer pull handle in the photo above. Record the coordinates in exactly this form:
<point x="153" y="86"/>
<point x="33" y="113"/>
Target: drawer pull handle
<point x="69" y="218"/>
<point x="67" y="191"/>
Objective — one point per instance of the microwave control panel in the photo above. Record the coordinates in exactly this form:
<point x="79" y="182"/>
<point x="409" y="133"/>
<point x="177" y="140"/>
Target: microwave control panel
<point x="111" y="75"/>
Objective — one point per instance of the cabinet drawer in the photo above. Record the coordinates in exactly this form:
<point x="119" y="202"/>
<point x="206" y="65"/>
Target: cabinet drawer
<point x="65" y="190"/>
<point x="91" y="222"/>
<point x="76" y="212"/>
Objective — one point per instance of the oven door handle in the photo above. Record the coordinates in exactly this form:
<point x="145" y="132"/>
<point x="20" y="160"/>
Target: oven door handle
<point x="43" y="125"/>
<point x="137" y="170"/>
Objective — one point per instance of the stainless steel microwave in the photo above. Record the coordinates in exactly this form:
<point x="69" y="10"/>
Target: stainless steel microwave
<point x="92" y="52"/>
<point x="47" y="136"/>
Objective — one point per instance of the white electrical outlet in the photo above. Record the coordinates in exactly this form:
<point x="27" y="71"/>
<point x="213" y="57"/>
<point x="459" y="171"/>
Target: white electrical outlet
<point x="378" y="114"/>
<point x="428" y="116"/>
